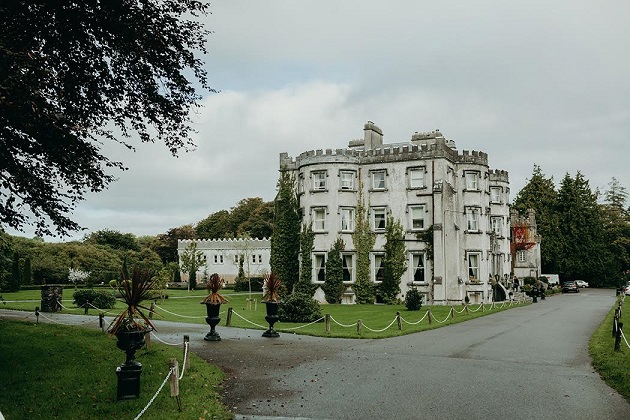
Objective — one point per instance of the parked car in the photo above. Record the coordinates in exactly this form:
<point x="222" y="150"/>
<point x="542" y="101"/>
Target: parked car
<point x="570" y="286"/>
<point x="581" y="283"/>
<point x="626" y="289"/>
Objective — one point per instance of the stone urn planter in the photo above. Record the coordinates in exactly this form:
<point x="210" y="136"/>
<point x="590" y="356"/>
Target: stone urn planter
<point x="271" y="288"/>
<point x="213" y="305"/>
<point x="271" y="318"/>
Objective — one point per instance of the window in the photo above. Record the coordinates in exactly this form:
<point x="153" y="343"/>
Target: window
<point x="472" y="180"/>
<point x="520" y="256"/>
<point x="378" y="180"/>
<point x="319" y="265"/>
<point x="417" y="267"/>
<point x="301" y="183"/>
<point x="319" y="180"/>
<point x="319" y="219"/>
<point x="473" y="266"/>
<point x="495" y="195"/>
<point x="497" y="226"/>
<point x="416" y="177"/>
<point x="235" y="259"/>
<point x="472" y="216"/>
<point x="378" y="218"/>
<point x="347" y="180"/>
<point x="378" y="270"/>
<point x="218" y="259"/>
<point x="416" y="214"/>
<point x="253" y="259"/>
<point x="259" y="258"/>
<point x="347" y="219"/>
<point x="347" y="261"/>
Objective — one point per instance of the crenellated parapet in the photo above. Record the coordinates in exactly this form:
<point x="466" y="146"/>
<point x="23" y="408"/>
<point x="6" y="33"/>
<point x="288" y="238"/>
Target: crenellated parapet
<point x="227" y="243"/>
<point x="498" y="175"/>
<point x="474" y="156"/>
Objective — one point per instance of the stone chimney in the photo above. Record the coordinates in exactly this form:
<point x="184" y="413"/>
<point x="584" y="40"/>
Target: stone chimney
<point x="372" y="135"/>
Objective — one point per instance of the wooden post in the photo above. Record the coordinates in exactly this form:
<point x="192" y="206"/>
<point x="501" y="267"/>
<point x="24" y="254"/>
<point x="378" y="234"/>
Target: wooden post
<point x="228" y="321"/>
<point x="151" y="309"/>
<point x="359" y="323"/>
<point x="187" y="358"/>
<point x="147" y="340"/>
<point x="86" y="305"/>
<point x="618" y="336"/>
<point x="614" y="328"/>
<point x="466" y="308"/>
<point x="483" y="308"/>
<point x="101" y="321"/>
<point x="327" y="323"/>
<point x="37" y="314"/>
<point x="452" y="312"/>
<point x="174" y="382"/>
<point x="398" y="320"/>
<point x="429" y="313"/>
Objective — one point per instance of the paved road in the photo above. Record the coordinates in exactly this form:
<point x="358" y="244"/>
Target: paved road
<point x="526" y="363"/>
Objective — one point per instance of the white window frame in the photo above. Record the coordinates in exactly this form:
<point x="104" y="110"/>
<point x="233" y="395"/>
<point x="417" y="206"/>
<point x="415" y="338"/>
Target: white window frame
<point x="319" y="267"/>
<point x="473" y="215"/>
<point x="414" y="259"/>
<point x="350" y="269"/>
<point x="379" y="179"/>
<point x="472" y="180"/>
<point x="416" y="177"/>
<point x="417" y="213"/>
<point x="319" y="180"/>
<point x="346" y="217"/>
<point x="379" y="211"/>
<point x="521" y="256"/>
<point x="318" y="218"/>
<point x="377" y="257"/>
<point x="474" y="265"/>
<point x="497" y="225"/>
<point x="300" y="183"/>
<point x="346" y="180"/>
<point x="495" y="195"/>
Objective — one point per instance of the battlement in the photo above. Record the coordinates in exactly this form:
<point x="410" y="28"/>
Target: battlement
<point x="474" y="156"/>
<point x="227" y="243"/>
<point x="429" y="135"/>
<point x="498" y="175"/>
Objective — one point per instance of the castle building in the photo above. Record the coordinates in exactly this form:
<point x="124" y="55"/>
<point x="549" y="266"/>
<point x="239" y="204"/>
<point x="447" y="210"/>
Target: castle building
<point x="454" y="210"/>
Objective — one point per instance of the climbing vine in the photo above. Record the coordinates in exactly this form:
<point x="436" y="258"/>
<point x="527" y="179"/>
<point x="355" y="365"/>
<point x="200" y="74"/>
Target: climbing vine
<point x="363" y="239"/>
<point x="307" y="239"/>
<point x="394" y="261"/>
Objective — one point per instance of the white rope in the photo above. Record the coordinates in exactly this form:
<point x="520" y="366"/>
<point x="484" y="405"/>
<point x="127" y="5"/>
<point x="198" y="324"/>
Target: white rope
<point x="184" y="363"/>
<point x="247" y="320"/>
<point x="459" y="312"/>
<point x="181" y="316"/>
<point x="446" y="319"/>
<point x="302" y="326"/>
<point x="417" y="322"/>
<point x="624" y="339"/>
<point x="99" y="309"/>
<point x="343" y="325"/>
<point x="59" y="322"/>
<point x="480" y="305"/>
<point x="162" y="341"/>
<point x="156" y="394"/>
<point x="381" y="330"/>
<point x="68" y="309"/>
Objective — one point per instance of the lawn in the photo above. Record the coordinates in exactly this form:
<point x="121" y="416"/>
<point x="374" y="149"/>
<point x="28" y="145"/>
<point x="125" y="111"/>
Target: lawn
<point x="51" y="371"/>
<point x="613" y="366"/>
<point x="378" y="321"/>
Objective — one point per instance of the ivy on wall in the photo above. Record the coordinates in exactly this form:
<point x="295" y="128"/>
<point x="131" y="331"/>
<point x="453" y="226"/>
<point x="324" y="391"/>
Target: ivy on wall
<point x="363" y="239"/>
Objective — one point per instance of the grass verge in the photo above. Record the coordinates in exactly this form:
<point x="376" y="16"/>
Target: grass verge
<point x="613" y="366"/>
<point x="50" y="371"/>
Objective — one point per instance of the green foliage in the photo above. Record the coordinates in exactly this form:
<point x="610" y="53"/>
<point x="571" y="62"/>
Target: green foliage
<point x="363" y="239"/>
<point x="285" y="241"/>
<point x="192" y="261"/>
<point x="67" y="93"/>
<point x="333" y="286"/>
<point x="100" y="298"/>
<point x="413" y="299"/>
<point x="6" y="253"/>
<point x="529" y="281"/>
<point x="299" y="307"/>
<point x="13" y="283"/>
<point x="394" y="261"/>
<point x="165" y="244"/>
<point x="307" y="239"/>
<point x="27" y="272"/>
<point x="242" y="285"/>
<point x="251" y="217"/>
<point x="113" y="239"/>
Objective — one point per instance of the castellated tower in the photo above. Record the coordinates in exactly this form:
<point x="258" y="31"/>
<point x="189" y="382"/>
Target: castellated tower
<point x="454" y="210"/>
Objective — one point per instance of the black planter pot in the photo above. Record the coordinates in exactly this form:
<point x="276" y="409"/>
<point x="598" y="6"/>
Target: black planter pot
<point x="212" y="310"/>
<point x="271" y="318"/>
<point x="129" y="372"/>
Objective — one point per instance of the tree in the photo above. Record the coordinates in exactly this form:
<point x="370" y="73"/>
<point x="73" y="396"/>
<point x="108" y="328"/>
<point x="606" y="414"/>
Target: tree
<point x="166" y="243"/>
<point x="76" y="73"/>
<point x="113" y="239"/>
<point x="307" y="239"/>
<point x="394" y="261"/>
<point x="215" y="226"/>
<point x="27" y="272"/>
<point x="616" y="219"/>
<point x="285" y="241"/>
<point x="13" y="285"/>
<point x="363" y="239"/>
<point x="6" y="252"/>
<point x="192" y="261"/>
<point x="333" y="286"/>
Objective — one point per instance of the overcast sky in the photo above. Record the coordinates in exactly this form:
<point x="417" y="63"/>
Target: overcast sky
<point x="527" y="82"/>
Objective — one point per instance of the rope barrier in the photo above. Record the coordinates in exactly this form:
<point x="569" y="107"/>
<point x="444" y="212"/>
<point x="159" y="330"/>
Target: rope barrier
<point x="417" y="322"/>
<point x="181" y="316"/>
<point x="305" y="325"/>
<point x="155" y="396"/>
<point x="162" y="341"/>
<point x="459" y="312"/>
<point x="445" y="319"/>
<point x="478" y="308"/>
<point x="184" y="362"/>
<point x="343" y="325"/>
<point x="377" y="331"/>
<point x="99" y="309"/>
<point x="247" y="320"/>
<point x="68" y="309"/>
<point x="59" y="322"/>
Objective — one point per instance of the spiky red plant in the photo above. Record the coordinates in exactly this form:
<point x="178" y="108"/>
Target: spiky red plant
<point x="133" y="292"/>
<point x="272" y="287"/>
<point x="214" y="285"/>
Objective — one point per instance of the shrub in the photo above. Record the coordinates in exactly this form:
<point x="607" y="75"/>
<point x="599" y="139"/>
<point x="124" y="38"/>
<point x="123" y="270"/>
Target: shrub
<point x="243" y="285"/>
<point x="413" y="300"/>
<point x="299" y="307"/>
<point x="99" y="298"/>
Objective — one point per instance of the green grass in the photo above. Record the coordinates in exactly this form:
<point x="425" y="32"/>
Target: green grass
<point x="50" y="371"/>
<point x="375" y="317"/>
<point x="613" y="366"/>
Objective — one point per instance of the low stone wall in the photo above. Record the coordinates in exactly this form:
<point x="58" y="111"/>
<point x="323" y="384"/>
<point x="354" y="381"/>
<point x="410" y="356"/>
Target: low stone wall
<point x="51" y="297"/>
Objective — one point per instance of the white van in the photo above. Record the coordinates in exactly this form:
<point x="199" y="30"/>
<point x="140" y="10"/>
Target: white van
<point x="553" y="279"/>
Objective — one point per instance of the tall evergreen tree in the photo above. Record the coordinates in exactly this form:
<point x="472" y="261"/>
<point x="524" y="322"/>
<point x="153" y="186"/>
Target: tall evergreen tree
<point x="333" y="286"/>
<point x="363" y="239"/>
<point x="307" y="239"/>
<point x="13" y="285"/>
<point x="394" y="261"/>
<point x="27" y="272"/>
<point x="584" y="254"/>
<point x="285" y="241"/>
<point x="540" y="194"/>
<point x="192" y="261"/>
<point x="616" y="219"/>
